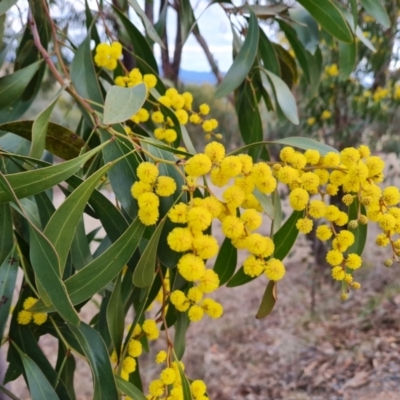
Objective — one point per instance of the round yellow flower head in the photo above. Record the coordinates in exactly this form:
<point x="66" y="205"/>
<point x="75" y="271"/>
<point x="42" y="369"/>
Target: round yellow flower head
<point x="231" y="166"/>
<point x="205" y="246"/>
<point x="166" y="186"/>
<point x="161" y="357"/>
<point x="29" y="302"/>
<point x="24" y="317"/>
<point x="253" y="266"/>
<point x="150" y="80"/>
<point x="168" y="376"/>
<point x="324" y="232"/>
<point x="135" y="348"/>
<point x="180" y="239"/>
<point x="232" y="227"/>
<point x="129" y="364"/>
<point x="147" y="172"/>
<point x="298" y="199"/>
<point x="304" y="225"/>
<point x="212" y="308"/>
<point x="274" y="269"/>
<point x="209" y="281"/>
<point x="199" y="164"/>
<point x="191" y="267"/>
<point x="149" y="327"/>
<point x="334" y="257"/>
<point x="199" y="218"/>
<point x="39" y="318"/>
<point x="178" y="213"/>
<point x="215" y="151"/>
<point x="195" y="313"/>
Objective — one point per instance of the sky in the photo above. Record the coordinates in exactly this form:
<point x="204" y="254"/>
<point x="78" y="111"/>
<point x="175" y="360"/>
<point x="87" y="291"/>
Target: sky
<point x="213" y="23"/>
<point x="215" y="28"/>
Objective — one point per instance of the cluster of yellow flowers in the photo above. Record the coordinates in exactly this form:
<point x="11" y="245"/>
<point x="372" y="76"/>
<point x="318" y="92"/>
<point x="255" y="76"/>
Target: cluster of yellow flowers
<point x="142" y="191"/>
<point x="149" y="330"/>
<point x="180" y="103"/>
<point x="312" y="178"/>
<point x="168" y="386"/>
<point x="25" y="316"/>
<point x="107" y="55"/>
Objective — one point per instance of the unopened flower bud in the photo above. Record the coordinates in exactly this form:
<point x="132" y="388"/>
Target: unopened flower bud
<point x="353" y="224"/>
<point x="363" y="220"/>
<point x="366" y="200"/>
<point x="388" y="263"/>
<point x="347" y="199"/>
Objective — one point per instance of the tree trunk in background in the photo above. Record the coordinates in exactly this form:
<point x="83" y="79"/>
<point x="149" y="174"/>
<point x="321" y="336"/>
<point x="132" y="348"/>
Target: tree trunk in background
<point x="127" y="57"/>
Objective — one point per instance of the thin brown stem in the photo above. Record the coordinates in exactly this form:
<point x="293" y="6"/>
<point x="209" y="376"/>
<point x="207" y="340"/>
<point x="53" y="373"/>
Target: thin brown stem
<point x="55" y="41"/>
<point x="52" y="67"/>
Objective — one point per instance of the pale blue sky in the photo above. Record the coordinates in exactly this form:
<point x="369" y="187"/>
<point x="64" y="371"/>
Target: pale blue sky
<point x="213" y="23"/>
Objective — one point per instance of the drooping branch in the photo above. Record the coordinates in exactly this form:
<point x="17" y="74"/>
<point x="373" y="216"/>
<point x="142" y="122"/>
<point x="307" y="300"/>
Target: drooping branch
<point x="202" y="42"/>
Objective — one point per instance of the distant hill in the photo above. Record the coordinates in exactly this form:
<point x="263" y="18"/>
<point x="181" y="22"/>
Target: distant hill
<point x="198" y="78"/>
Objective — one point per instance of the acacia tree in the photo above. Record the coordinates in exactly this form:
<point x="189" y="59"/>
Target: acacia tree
<point x="132" y="135"/>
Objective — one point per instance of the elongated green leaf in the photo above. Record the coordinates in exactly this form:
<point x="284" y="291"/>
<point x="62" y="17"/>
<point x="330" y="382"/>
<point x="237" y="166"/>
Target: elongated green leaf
<point x="99" y="361"/>
<point x="59" y="140"/>
<point x="129" y="389"/>
<point x="299" y="50"/>
<point x="306" y="28"/>
<point x="8" y="277"/>
<point x="123" y="175"/>
<point x="315" y="66"/>
<point x="115" y="316"/>
<point x="103" y="269"/>
<point x="287" y="65"/>
<point x="181" y="326"/>
<point x="12" y="86"/>
<point x="243" y="62"/>
<point x="26" y="341"/>
<point x="266" y="203"/>
<point x="6" y="231"/>
<point x="267" y="53"/>
<point x="286" y="236"/>
<point x="187" y="19"/>
<point x="354" y="11"/>
<point x="39" y="387"/>
<point x="143" y="53"/>
<point x="150" y="30"/>
<point x="248" y="113"/>
<point x="144" y="273"/>
<point x="360" y="233"/>
<point x="61" y="228"/>
<point x="46" y="265"/>
<point x="347" y="59"/>
<point x="66" y="366"/>
<point x="29" y="183"/>
<point x="376" y="9"/>
<point x="6" y="5"/>
<point x="277" y="221"/>
<point x="329" y="17"/>
<point x="225" y="263"/>
<point x="284" y="97"/>
<point x="122" y="103"/>
<point x="268" y="301"/>
<point x="83" y="74"/>
<point x="305" y="144"/>
<point x="39" y="128"/>
<point x="80" y="250"/>
<point x="187" y="393"/>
